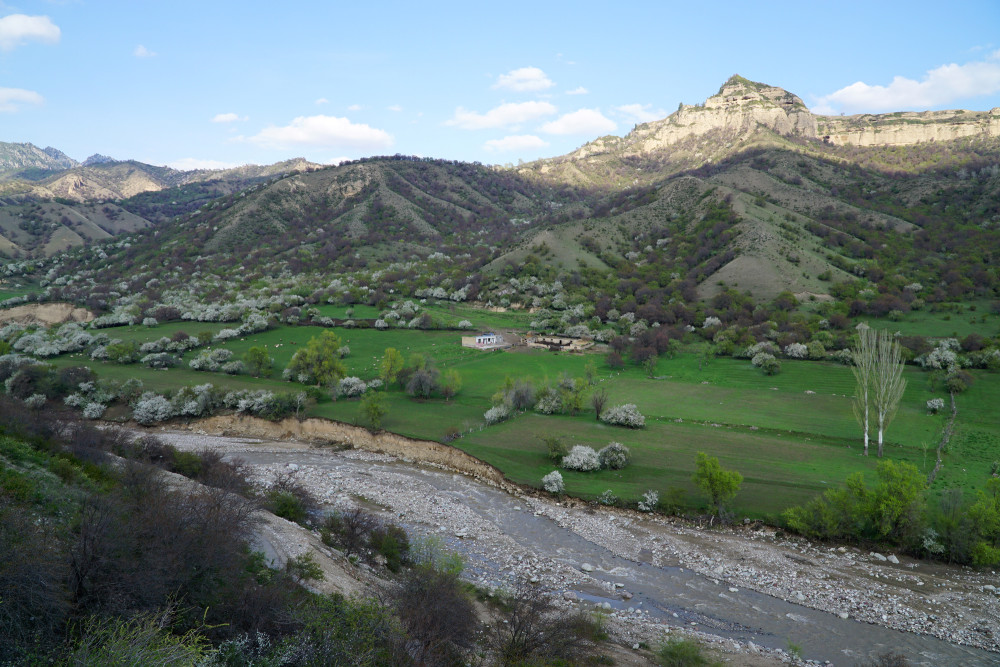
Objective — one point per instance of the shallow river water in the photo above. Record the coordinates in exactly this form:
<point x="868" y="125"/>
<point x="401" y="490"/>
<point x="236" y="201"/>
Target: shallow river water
<point x="672" y="595"/>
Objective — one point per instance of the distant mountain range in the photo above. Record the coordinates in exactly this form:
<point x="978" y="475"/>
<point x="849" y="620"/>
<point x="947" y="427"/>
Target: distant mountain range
<point x="747" y="190"/>
<point x="47" y="199"/>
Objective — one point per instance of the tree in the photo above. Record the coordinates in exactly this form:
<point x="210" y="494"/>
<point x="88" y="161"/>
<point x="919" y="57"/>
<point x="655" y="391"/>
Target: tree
<point x="374" y="409"/>
<point x="720" y="484"/>
<point x="391" y="364"/>
<point x="863" y="356"/>
<point x="257" y="360"/>
<point x="889" y="384"/>
<point x="451" y="383"/>
<point x="878" y="370"/>
<point x="598" y="400"/>
<point x="318" y="361"/>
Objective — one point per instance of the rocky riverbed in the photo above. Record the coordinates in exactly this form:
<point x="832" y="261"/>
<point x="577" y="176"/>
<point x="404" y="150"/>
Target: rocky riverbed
<point x="527" y="535"/>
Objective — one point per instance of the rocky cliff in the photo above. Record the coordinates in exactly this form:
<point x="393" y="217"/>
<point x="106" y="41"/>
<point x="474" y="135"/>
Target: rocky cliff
<point x="745" y="112"/>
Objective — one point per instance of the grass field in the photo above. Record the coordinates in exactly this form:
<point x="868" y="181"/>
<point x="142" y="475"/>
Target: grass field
<point x="791" y="435"/>
<point x="966" y="318"/>
<point x="7" y="290"/>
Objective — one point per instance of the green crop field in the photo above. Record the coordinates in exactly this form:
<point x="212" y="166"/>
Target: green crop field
<point x="791" y="435"/>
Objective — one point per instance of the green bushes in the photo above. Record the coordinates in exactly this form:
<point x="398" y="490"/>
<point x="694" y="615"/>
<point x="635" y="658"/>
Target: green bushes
<point x="890" y="512"/>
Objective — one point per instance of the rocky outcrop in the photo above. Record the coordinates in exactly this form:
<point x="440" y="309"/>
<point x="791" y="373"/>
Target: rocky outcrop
<point x="744" y="111"/>
<point x="741" y="108"/>
<point x="908" y="127"/>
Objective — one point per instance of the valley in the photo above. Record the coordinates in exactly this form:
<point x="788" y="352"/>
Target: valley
<point x="704" y="444"/>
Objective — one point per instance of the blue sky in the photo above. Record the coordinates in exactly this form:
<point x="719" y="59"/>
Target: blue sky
<point x="225" y="83"/>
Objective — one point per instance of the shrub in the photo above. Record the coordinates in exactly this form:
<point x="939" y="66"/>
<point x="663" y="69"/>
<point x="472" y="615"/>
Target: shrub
<point x="151" y="408"/>
<point x="553" y="482"/>
<point x="608" y="497"/>
<point x="934" y="405"/>
<point x="615" y="456"/>
<point x="549" y="401"/>
<point x="93" y="411"/>
<point x="556" y="448"/>
<point x="35" y="401"/>
<point x="683" y="653"/>
<point x="627" y="415"/>
<point x="649" y="501"/>
<point x="160" y="360"/>
<point x="496" y="414"/>
<point x="581" y="458"/>
<point x="351" y="386"/>
<point x="796" y="351"/>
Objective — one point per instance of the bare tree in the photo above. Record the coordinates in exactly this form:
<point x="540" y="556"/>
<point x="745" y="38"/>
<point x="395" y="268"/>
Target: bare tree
<point x="598" y="400"/>
<point x="888" y="383"/>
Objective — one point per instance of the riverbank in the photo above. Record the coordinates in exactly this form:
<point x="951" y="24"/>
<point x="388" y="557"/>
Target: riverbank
<point x="951" y="603"/>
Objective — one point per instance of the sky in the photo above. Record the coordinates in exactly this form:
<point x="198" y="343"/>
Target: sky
<point x="218" y="83"/>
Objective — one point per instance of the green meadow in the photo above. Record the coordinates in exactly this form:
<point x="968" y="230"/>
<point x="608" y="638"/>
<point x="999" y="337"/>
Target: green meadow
<point x="791" y="435"/>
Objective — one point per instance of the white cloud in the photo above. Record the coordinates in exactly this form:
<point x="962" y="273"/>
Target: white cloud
<point x="939" y="86"/>
<point x="323" y="132"/>
<point x="355" y="107"/>
<point x="228" y="118"/>
<point x="11" y="98"/>
<point x="524" y="79"/>
<point x="192" y="163"/>
<point x="584" y="121"/>
<point x="515" y="142"/>
<point x="578" y="91"/>
<point x="640" y="113"/>
<point x="395" y="107"/>
<point x="505" y="115"/>
<point x="17" y="29"/>
<point x="322" y="100"/>
<point x="142" y="52"/>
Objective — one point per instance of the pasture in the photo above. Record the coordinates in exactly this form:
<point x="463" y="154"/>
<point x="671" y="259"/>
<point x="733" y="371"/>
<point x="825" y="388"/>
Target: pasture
<point x="791" y="435"/>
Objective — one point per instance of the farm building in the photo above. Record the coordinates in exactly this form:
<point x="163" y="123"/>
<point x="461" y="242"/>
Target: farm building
<point x="484" y="341"/>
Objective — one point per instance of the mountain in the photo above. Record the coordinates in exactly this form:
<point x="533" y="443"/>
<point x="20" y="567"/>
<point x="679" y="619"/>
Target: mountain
<point x="16" y="157"/>
<point x="748" y="191"/>
<point x="744" y="114"/>
<point x="49" y="202"/>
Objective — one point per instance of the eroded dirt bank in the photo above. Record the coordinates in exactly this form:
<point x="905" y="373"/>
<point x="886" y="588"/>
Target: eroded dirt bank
<point x="327" y="432"/>
<point x="45" y="313"/>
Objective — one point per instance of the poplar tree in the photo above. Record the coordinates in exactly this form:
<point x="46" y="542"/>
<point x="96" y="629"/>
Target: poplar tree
<point x="878" y="370"/>
<point x="888" y="383"/>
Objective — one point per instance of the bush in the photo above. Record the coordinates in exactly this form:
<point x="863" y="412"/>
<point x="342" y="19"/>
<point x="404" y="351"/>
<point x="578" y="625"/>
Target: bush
<point x="93" y="411"/>
<point x="934" y="405"/>
<point x="649" y="501"/>
<point x="351" y="387"/>
<point x="627" y="415"/>
<point x="152" y="408"/>
<point x="683" y="653"/>
<point x="581" y="458"/>
<point x="553" y="482"/>
<point x="615" y="456"/>
<point x="556" y="448"/>
<point x="496" y="414"/>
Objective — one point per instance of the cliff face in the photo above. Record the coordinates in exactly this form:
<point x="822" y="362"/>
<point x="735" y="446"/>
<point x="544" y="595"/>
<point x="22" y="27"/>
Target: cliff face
<point x="903" y="128"/>
<point x="744" y="111"/>
<point x="740" y="109"/>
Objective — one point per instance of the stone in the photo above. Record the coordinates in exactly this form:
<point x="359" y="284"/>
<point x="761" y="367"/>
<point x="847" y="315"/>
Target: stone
<point x="587" y="567"/>
<point x="879" y="557"/>
<point x="844" y="615"/>
<point x="626" y="596"/>
<point x="892" y="559"/>
<point x="733" y="590"/>
<point x="569" y="596"/>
